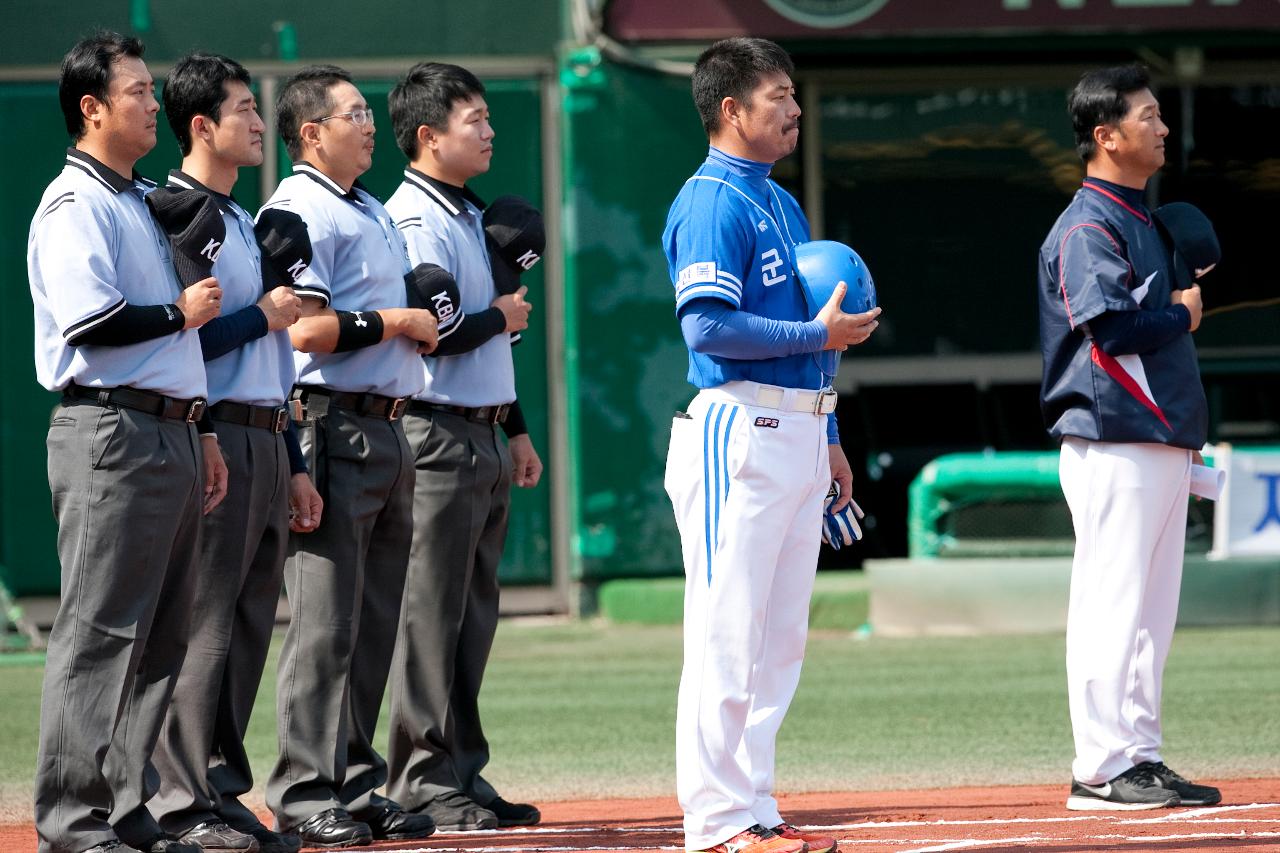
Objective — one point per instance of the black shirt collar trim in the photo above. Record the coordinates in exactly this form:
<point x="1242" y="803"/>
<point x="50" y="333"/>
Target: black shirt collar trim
<point x="451" y="198"/>
<point x="110" y="178"/>
<point x="181" y="180"/>
<point x="302" y="167"/>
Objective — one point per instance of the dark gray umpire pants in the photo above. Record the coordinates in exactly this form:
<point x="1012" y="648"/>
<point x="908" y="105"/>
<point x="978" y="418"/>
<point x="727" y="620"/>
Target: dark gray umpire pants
<point x="344" y="581"/>
<point x="200" y="756"/>
<point x="127" y="492"/>
<point x="450" y="611"/>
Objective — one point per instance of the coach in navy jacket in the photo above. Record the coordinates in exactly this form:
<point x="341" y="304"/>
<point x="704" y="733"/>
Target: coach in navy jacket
<point x="1122" y="392"/>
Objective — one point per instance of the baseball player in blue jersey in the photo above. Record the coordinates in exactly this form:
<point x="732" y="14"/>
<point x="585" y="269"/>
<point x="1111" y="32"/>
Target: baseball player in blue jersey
<point x="1122" y="392"/>
<point x="116" y="334"/>
<point x="750" y="463"/>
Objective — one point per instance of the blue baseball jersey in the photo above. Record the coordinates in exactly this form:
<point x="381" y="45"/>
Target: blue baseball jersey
<point x="1105" y="254"/>
<point x="730" y="235"/>
<point x="94" y="248"/>
<point x="260" y="372"/>
<point x="358" y="263"/>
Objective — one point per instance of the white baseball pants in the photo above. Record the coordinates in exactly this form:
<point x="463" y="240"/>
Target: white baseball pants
<point x="1129" y="508"/>
<point x="747" y="484"/>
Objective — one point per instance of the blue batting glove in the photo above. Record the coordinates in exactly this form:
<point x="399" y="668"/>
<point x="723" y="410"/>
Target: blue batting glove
<point x="840" y="528"/>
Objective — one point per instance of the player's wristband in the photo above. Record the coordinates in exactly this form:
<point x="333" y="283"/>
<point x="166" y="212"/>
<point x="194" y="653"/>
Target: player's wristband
<point x="357" y="330"/>
<point x="514" y="424"/>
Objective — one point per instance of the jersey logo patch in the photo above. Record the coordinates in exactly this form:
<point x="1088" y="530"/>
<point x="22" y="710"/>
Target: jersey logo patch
<point x="771" y="423"/>
<point x="762" y="226"/>
<point x="702" y="272"/>
<point x="769" y="263"/>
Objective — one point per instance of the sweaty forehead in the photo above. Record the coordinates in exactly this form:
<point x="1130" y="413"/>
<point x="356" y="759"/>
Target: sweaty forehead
<point x="127" y="71"/>
<point x="773" y="83"/>
<point x="1139" y="101"/>
<point x="344" y="96"/>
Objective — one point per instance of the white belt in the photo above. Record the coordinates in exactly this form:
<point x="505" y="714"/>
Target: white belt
<point x="774" y="397"/>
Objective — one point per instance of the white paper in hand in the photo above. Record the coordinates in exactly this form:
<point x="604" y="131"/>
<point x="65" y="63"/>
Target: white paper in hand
<point x="1207" y="482"/>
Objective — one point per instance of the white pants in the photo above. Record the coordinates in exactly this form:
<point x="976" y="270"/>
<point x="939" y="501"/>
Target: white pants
<point x="1129" y="509"/>
<point x="747" y="485"/>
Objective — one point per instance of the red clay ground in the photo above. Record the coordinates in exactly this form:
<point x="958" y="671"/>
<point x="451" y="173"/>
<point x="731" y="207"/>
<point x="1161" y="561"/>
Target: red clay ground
<point x="985" y="819"/>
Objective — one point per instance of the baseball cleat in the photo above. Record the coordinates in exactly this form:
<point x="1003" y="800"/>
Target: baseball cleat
<point x="1189" y="793"/>
<point x="757" y="839"/>
<point x="1133" y="790"/>
<point x="816" y="843"/>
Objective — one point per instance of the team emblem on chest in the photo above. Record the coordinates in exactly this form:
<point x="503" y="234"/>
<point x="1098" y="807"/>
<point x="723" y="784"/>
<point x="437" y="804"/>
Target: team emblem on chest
<point x="770" y="263"/>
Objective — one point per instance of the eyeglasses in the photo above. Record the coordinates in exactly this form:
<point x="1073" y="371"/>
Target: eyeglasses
<point x="359" y="117"/>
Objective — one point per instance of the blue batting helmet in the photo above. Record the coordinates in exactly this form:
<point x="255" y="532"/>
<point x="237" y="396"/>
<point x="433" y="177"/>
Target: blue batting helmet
<point x="822" y="264"/>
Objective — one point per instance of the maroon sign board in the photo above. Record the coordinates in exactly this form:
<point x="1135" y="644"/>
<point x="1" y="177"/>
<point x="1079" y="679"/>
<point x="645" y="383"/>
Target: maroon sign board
<point x="704" y="20"/>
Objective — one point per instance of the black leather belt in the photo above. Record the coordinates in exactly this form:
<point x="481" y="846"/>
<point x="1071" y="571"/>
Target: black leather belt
<point x="273" y="418"/>
<point x="483" y="414"/>
<point x="171" y="408"/>
<point x="368" y="404"/>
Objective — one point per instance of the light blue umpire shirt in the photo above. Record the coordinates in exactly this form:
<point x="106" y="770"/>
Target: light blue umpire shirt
<point x="94" y="248"/>
<point x="261" y="371"/>
<point x="358" y="263"/>
<point x="443" y="225"/>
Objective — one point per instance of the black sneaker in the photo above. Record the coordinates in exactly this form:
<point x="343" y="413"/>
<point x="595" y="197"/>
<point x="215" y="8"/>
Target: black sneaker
<point x="1189" y="793"/>
<point x="514" y="814"/>
<point x="1133" y="790"/>
<point x="454" y="811"/>
<point x="216" y="835"/>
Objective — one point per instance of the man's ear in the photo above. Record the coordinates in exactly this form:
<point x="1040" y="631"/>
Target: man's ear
<point x="309" y="133"/>
<point x="91" y="108"/>
<point x="1104" y="137"/>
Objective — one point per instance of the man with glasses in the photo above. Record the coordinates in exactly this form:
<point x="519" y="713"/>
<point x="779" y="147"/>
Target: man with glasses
<point x="357" y="363"/>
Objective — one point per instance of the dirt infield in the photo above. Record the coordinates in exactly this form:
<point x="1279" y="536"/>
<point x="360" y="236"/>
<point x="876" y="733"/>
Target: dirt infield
<point x="1024" y="818"/>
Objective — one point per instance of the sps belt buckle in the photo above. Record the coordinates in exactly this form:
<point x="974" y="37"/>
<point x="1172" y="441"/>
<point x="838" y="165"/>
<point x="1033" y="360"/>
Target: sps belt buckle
<point x="825" y="402"/>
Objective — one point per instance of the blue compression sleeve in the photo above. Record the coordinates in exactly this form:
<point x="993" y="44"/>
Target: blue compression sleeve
<point x="297" y="460"/>
<point x="221" y="335"/>
<point x="833" y="429"/>
<point x="1131" y="332"/>
<point x="715" y="328"/>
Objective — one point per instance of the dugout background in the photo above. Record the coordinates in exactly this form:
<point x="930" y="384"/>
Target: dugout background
<point x="942" y="154"/>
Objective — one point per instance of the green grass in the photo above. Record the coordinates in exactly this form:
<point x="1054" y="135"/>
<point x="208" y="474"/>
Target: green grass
<point x="586" y="710"/>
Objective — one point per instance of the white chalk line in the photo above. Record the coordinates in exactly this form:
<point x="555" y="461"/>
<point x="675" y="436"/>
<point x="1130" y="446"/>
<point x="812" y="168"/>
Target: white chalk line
<point x="1193" y="814"/>
<point x="976" y="843"/>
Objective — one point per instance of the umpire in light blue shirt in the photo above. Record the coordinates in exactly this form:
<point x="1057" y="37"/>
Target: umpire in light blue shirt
<point x="464" y="470"/>
<point x="201" y="758"/>
<point x="116" y="334"/>
<point x="358" y="363"/>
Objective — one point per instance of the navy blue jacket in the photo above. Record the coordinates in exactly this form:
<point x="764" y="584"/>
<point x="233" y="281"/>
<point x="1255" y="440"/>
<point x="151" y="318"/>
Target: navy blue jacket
<point x="1104" y="254"/>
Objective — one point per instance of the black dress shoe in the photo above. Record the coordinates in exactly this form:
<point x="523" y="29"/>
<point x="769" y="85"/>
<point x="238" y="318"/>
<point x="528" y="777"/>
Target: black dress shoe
<point x="392" y="823"/>
<point x="333" y="828"/>
<point x="274" y="842"/>
<point x="454" y="811"/>
<point x="113" y="846"/>
<point x="167" y="844"/>
<point x="514" y="814"/>
<point x="216" y="835"/>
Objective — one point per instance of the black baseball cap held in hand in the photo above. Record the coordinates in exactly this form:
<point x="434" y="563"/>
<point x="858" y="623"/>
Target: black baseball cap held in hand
<point x="434" y="288"/>
<point x="1193" y="242"/>
<point x="285" y="245"/>
<point x="517" y="238"/>
<point x="193" y="223"/>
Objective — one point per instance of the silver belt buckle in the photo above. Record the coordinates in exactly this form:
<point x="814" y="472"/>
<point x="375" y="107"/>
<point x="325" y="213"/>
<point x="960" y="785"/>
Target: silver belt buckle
<point x="195" y="409"/>
<point x="820" y="402"/>
<point x="398" y="405"/>
<point x="280" y="419"/>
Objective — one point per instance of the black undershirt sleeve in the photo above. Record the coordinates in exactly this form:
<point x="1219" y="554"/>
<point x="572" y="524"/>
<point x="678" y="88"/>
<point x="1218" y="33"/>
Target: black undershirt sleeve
<point x="474" y="330"/>
<point x="358" y="329"/>
<point x="514" y="424"/>
<point x="1132" y="332"/>
<point x="225" y="333"/>
<point x="132" y="324"/>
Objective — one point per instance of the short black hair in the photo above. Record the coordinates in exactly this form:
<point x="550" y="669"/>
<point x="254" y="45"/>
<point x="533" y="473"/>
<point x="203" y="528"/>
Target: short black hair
<point x="426" y="96"/>
<point x="1101" y="97"/>
<point x="86" y="70"/>
<point x="197" y="86"/>
<point x="304" y="98"/>
<point x="731" y="68"/>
